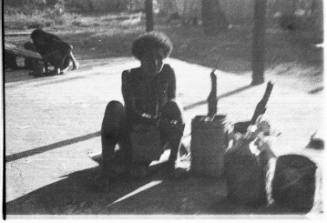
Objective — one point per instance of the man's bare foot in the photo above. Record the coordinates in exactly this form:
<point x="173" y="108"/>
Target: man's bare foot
<point x="75" y="66"/>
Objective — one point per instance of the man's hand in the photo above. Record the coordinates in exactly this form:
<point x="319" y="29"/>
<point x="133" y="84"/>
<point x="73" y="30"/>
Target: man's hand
<point x="149" y="119"/>
<point x="146" y="115"/>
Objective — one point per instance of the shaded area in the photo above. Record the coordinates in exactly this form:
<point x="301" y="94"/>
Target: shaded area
<point x="78" y="193"/>
<point x="52" y="146"/>
<point x="15" y="76"/>
<point x="232" y="47"/>
<point x="71" y="195"/>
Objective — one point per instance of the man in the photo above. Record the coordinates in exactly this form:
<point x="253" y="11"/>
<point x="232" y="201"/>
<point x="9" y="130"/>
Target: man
<point x="149" y="92"/>
<point x="53" y="51"/>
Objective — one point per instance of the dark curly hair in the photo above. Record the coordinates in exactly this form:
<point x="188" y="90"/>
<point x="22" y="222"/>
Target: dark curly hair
<point x="151" y="41"/>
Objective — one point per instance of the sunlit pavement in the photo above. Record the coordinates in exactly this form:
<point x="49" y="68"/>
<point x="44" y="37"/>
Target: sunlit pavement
<point x="53" y="123"/>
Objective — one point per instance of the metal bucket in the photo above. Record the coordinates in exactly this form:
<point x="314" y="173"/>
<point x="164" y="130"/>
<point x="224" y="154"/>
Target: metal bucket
<point x="208" y="145"/>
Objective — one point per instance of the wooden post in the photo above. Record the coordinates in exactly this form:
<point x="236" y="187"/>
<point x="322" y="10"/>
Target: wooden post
<point x="212" y="98"/>
<point x="149" y="15"/>
<point x="258" y="45"/>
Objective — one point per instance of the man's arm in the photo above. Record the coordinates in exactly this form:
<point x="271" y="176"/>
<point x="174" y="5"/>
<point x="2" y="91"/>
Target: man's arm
<point x="172" y="84"/>
<point x="127" y="92"/>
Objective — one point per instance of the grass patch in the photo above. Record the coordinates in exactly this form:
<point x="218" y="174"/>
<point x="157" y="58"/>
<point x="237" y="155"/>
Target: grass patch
<point x="21" y="21"/>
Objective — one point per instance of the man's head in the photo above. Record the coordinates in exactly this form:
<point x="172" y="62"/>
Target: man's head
<point x="38" y="36"/>
<point x="151" y="48"/>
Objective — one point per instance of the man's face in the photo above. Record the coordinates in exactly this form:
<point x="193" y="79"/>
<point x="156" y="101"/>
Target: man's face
<point x="152" y="61"/>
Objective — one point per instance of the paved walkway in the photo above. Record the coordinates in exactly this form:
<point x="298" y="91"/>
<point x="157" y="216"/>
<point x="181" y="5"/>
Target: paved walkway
<point x="52" y="131"/>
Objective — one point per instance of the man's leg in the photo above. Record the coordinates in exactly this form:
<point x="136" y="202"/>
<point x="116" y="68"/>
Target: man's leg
<point x="46" y="66"/>
<point x="65" y="65"/>
<point x="113" y="131"/>
<point x="67" y="61"/>
<point x="73" y="59"/>
<point x="172" y="128"/>
<point x="60" y="60"/>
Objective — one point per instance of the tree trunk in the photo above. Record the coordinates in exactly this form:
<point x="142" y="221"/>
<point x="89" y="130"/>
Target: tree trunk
<point x="149" y="15"/>
<point x="258" y="50"/>
<point x="213" y="19"/>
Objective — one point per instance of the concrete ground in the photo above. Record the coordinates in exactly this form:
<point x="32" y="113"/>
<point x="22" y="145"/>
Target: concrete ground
<point x="52" y="138"/>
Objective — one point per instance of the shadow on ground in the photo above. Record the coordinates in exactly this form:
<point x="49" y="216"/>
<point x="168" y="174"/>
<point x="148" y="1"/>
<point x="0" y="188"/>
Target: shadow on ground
<point x="77" y="193"/>
<point x="52" y="146"/>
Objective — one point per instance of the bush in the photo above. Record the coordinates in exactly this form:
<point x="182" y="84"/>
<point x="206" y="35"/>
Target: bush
<point x="98" y="5"/>
<point x="36" y="4"/>
<point x="22" y="21"/>
<point x="31" y="14"/>
<point x="37" y="19"/>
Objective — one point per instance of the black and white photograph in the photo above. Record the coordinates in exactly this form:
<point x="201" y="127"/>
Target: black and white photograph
<point x="201" y="109"/>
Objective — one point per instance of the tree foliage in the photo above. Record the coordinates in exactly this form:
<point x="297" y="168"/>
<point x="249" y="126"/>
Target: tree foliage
<point x="213" y="18"/>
